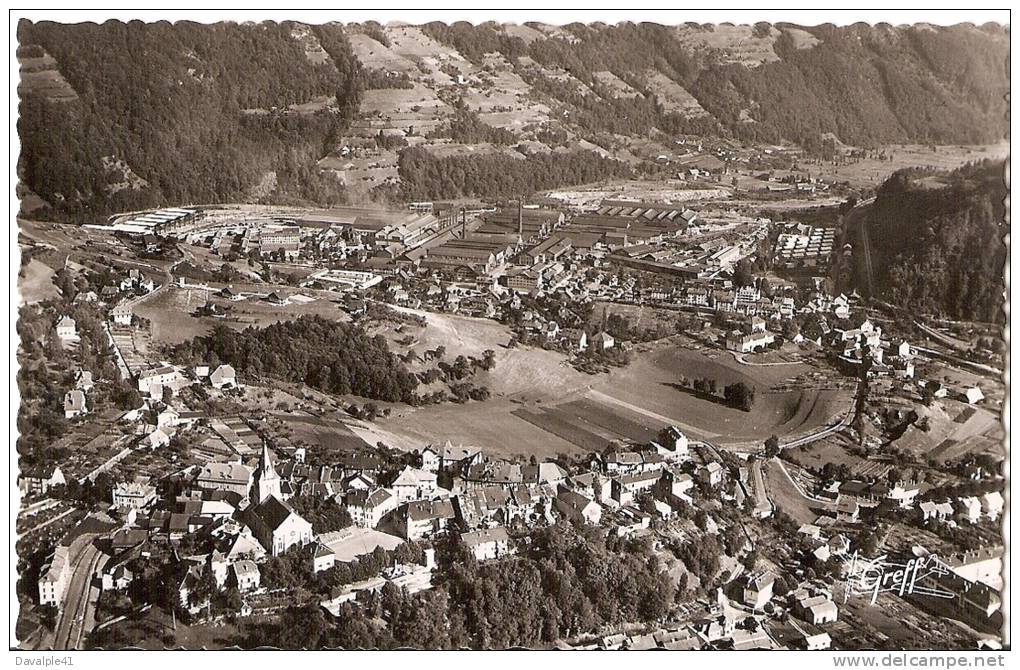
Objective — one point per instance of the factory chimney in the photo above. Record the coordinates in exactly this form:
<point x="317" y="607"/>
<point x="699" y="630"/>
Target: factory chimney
<point x="520" y="218"/>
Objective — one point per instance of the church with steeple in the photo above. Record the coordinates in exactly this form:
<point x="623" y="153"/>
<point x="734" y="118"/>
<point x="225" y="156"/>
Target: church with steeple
<point x="266" y="480"/>
<point x="273" y="522"/>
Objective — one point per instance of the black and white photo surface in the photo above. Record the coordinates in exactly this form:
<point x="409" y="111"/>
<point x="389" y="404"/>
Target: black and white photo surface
<point x="448" y="335"/>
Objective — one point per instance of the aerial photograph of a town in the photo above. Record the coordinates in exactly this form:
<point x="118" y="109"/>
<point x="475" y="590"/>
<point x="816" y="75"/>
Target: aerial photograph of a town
<point x="486" y="335"/>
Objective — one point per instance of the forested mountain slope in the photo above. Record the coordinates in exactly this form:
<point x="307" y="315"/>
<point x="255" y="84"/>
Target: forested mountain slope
<point x="938" y="247"/>
<point x="170" y="101"/>
<point x="155" y="114"/>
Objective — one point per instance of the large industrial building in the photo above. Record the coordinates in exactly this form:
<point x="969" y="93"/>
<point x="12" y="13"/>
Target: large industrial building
<point x="161" y="222"/>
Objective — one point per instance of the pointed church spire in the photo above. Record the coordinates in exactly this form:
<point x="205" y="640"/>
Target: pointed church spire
<point x="267" y="481"/>
<point x="265" y="463"/>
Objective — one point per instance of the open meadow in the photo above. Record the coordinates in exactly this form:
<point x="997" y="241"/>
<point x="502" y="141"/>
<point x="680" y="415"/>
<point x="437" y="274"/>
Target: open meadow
<point x="542" y="405"/>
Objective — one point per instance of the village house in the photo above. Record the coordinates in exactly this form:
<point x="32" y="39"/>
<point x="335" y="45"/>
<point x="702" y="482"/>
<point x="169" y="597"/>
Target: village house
<point x="816" y="609"/>
<point x="593" y="485"/>
<point x="969" y="509"/>
<point x="53" y="577"/>
<point x="67" y="329"/>
<point x="488" y="543"/>
<point x="74" y="404"/>
<point x="414" y="484"/>
<point x="626" y="487"/>
<point x="812" y="638"/>
<point x="758" y="589"/>
<point x="323" y="558"/>
<point x="547" y="473"/>
<point x="168" y="417"/>
<point x="122" y="314"/>
<point x="578" y="509"/>
<point x="83" y="381"/>
<point x="932" y="511"/>
<point x="367" y="509"/>
<point x="133" y="495"/>
<point x="972" y="395"/>
<point x="115" y="576"/>
<point x="674" y="447"/>
<point x="711" y="473"/>
<point x="157" y="439"/>
<point x="847" y="509"/>
<point x="156" y="376"/>
<point x="277" y="526"/>
<point x="246" y="575"/>
<point x="602" y="341"/>
<point x="422" y="518"/>
<point x="223" y="377"/>
<point x="747" y="342"/>
<point x="992" y="504"/>
<point x="39" y="479"/>
<point x="429" y="459"/>
<point x="674" y="485"/>
<point x="457" y="459"/>
<point x="191" y="584"/>
<point x="216" y="476"/>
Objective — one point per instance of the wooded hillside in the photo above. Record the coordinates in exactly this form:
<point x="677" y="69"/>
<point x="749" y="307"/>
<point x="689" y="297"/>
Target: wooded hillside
<point x="939" y="248"/>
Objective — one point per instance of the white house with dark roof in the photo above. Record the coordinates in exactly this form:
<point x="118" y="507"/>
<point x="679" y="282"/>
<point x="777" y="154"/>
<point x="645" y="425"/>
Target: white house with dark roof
<point x="67" y="329"/>
<point x="972" y="395"/>
<point x="488" y="543"/>
<point x="758" y="589"/>
<point x="160" y="375"/>
<point x="40" y="478"/>
<point x="74" y="404"/>
<point x="414" y="484"/>
<point x="674" y="446"/>
<point x="247" y="575"/>
<point x="711" y="473"/>
<point x="367" y="508"/>
<point x="969" y="508"/>
<point x="133" y="495"/>
<point x="223" y="377"/>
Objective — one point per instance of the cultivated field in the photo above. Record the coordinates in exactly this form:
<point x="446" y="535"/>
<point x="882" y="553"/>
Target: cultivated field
<point x="542" y="405"/>
<point x="650" y="383"/>
<point x="739" y="44"/>
<point x="674" y="97"/>
<point x="324" y="436"/>
<point x="871" y="172"/>
<point x="490" y="425"/>
<point x="619" y="88"/>
<point x="171" y="312"/>
<point x="40" y="74"/>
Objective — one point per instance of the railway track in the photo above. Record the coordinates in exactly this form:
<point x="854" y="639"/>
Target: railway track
<point x="71" y="624"/>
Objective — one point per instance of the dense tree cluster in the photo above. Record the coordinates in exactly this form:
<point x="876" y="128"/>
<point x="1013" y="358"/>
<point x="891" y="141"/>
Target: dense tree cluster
<point x="498" y="175"/>
<point x="941" y="250"/>
<point x="465" y="127"/>
<point x="325" y="514"/>
<point x="737" y="394"/>
<point x="565" y="582"/>
<point x="330" y="356"/>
